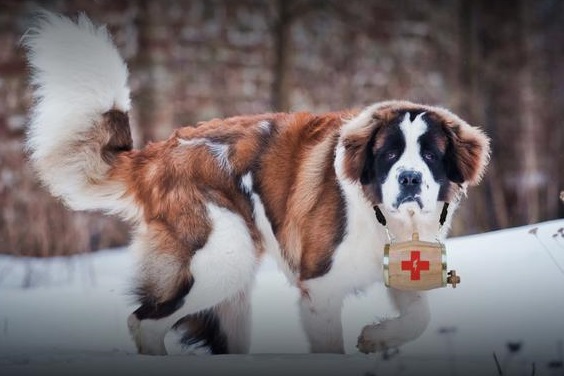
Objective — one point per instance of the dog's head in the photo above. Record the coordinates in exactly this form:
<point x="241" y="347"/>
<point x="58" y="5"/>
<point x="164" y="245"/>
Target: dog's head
<point x="408" y="157"/>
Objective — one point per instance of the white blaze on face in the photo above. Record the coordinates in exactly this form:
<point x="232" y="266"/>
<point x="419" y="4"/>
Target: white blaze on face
<point x="411" y="160"/>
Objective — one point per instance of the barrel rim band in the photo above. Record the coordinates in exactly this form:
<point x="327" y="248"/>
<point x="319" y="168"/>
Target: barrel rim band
<point x="444" y="264"/>
<point x="386" y="263"/>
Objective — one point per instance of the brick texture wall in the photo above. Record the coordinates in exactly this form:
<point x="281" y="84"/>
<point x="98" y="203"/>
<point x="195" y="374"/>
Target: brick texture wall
<point x="199" y="59"/>
<point x="191" y="61"/>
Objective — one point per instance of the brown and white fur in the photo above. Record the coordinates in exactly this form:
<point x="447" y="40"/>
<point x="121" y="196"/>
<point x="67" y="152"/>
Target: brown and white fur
<point x="207" y="203"/>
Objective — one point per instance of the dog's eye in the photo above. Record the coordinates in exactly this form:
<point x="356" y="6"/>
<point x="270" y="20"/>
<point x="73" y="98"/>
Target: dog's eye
<point x="429" y="156"/>
<point x="391" y="155"/>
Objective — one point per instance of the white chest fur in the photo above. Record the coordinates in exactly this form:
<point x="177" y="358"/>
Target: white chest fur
<point x="357" y="262"/>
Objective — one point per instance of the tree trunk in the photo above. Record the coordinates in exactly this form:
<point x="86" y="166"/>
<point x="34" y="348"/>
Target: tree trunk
<point x="153" y="99"/>
<point x="282" y="56"/>
<point x="487" y="203"/>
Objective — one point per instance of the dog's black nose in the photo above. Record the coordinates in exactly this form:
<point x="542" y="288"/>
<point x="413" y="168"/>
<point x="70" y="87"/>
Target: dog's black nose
<point x="409" y="178"/>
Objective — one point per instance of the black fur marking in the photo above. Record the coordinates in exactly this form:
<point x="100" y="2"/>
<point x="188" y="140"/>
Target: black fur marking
<point x="341" y="228"/>
<point x="387" y="155"/>
<point x="150" y="309"/>
<point x="413" y="114"/>
<point x="265" y="139"/>
<point x="436" y="160"/>
<point x="247" y="191"/>
<point x="367" y="175"/>
<point x="324" y="265"/>
<point x="116" y="123"/>
<point x="392" y="150"/>
<point x="203" y="330"/>
<point x="451" y="164"/>
<point x="379" y="161"/>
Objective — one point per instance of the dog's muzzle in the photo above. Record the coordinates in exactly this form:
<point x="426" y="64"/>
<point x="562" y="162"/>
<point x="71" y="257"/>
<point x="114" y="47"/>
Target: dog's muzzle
<point x="410" y="188"/>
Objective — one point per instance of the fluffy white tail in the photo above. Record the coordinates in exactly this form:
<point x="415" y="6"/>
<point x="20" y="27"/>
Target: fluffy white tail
<point x="79" y="121"/>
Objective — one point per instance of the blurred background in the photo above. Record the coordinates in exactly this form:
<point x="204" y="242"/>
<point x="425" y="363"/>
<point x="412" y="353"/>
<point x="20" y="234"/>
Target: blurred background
<point x="498" y="64"/>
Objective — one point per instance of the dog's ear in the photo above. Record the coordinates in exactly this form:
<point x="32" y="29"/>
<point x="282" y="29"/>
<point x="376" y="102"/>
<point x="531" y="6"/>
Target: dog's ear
<point x="467" y="151"/>
<point x="358" y="137"/>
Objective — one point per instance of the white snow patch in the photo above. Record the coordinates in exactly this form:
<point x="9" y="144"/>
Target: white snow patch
<point x="74" y="320"/>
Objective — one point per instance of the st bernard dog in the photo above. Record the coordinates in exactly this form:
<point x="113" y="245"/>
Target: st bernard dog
<point x="210" y="201"/>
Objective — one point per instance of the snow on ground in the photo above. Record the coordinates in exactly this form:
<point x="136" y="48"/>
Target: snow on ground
<point x="71" y="318"/>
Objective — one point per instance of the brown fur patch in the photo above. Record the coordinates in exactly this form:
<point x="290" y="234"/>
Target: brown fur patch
<point x="299" y="188"/>
<point x="467" y="146"/>
<point x="472" y="153"/>
<point x="291" y="160"/>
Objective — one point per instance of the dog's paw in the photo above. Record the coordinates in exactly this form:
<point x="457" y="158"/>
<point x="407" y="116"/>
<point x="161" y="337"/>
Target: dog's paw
<point x="146" y="341"/>
<point x="133" y="324"/>
<point x="383" y="336"/>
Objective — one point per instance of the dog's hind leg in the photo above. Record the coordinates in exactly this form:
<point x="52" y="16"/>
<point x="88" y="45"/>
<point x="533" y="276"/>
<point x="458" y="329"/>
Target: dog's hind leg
<point x="217" y="272"/>
<point x="234" y="316"/>
<point x="224" y="329"/>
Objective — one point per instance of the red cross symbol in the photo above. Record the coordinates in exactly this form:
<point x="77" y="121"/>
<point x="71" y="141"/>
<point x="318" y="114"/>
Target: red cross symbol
<point x="415" y="265"/>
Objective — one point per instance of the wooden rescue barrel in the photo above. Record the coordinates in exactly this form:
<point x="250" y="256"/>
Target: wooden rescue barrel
<point x="417" y="265"/>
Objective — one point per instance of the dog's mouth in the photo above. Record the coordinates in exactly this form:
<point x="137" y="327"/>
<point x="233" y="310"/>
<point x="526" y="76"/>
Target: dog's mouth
<point x="408" y="199"/>
<point x="410" y="204"/>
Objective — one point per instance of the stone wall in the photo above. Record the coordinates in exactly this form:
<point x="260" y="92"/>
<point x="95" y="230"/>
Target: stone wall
<point x="198" y="59"/>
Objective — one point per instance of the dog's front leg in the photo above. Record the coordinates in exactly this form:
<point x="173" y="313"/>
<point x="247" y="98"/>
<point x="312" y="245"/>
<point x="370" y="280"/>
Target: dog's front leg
<point x="320" y="313"/>
<point x="412" y="321"/>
